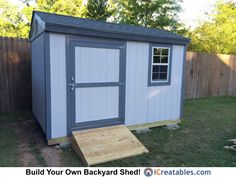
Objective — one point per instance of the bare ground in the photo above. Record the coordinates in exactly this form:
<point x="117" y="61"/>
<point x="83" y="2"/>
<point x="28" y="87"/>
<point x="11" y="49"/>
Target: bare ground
<point x="33" y="148"/>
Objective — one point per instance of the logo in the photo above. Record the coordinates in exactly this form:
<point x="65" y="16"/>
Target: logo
<point x="148" y="172"/>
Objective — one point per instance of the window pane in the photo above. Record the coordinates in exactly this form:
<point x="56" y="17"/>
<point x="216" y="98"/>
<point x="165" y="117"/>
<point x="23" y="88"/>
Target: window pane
<point x="163" y="69"/>
<point x="163" y="76"/>
<point x="165" y="51"/>
<point x="164" y="59"/>
<point x="157" y="51"/>
<point x="160" y="64"/>
<point x="156" y="59"/>
<point x="156" y="69"/>
<point x="155" y="76"/>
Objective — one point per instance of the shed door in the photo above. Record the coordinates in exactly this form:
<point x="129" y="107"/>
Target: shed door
<point x="95" y="84"/>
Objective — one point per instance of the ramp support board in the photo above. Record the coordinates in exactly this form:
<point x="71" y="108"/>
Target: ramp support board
<point x="99" y="145"/>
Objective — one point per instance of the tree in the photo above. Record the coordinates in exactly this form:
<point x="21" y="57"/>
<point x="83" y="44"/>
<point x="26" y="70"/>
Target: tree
<point x="12" y="22"/>
<point x="15" y="21"/>
<point x="218" y="34"/>
<point x="66" y="7"/>
<point x="98" y="9"/>
<point x="149" y="13"/>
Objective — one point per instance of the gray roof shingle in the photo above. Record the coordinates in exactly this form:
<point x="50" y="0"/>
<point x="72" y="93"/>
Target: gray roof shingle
<point x="54" y="22"/>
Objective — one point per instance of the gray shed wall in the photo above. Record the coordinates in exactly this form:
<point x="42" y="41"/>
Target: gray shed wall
<point x="58" y="104"/>
<point x="143" y="104"/>
<point x="38" y="80"/>
<point x="147" y="104"/>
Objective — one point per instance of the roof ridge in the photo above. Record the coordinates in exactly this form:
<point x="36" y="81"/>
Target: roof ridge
<point x="73" y="25"/>
<point x="113" y="23"/>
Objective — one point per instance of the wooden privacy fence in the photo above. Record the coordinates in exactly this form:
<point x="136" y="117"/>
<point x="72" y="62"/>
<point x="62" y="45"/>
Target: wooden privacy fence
<point x="206" y="75"/>
<point x="210" y="75"/>
<point x="15" y="75"/>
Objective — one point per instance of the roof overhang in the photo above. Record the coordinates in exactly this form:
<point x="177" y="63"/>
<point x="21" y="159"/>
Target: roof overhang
<point x="52" y="27"/>
<point x="58" y="28"/>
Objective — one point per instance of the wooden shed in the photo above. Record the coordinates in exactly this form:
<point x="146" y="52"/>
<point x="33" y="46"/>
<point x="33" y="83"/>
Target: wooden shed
<point x="88" y="74"/>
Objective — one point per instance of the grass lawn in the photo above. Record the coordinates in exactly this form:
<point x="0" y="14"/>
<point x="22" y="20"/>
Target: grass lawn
<point x="207" y="125"/>
<point x="9" y="155"/>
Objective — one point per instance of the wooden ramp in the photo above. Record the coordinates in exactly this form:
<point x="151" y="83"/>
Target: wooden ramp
<point x="105" y="144"/>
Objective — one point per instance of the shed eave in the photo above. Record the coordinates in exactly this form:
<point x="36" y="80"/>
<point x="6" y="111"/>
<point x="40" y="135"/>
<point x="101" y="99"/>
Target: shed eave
<point x="58" y="28"/>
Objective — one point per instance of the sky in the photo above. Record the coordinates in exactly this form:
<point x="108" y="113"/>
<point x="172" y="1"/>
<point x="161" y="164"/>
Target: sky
<point x="193" y="11"/>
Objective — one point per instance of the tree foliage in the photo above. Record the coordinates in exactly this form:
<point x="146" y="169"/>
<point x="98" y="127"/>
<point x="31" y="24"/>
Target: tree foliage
<point x="219" y="33"/>
<point x="149" y="13"/>
<point x="66" y="7"/>
<point x="15" y="20"/>
<point x="98" y="9"/>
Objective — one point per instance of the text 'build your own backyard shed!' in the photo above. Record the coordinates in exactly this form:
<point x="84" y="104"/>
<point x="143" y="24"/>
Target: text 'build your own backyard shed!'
<point x="88" y="74"/>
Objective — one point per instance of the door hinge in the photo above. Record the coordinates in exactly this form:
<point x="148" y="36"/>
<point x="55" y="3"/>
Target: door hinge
<point x="72" y="84"/>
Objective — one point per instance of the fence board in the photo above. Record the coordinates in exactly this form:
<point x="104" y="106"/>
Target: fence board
<point x="210" y="75"/>
<point x="206" y="75"/>
<point x="15" y="75"/>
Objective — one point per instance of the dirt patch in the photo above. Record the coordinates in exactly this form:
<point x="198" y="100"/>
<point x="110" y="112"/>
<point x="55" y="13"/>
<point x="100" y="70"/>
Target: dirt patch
<point x="52" y="156"/>
<point x="33" y="148"/>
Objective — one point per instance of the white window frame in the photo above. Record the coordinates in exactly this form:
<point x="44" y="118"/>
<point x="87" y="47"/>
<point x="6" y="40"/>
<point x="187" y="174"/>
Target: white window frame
<point x="160" y="64"/>
<point x="167" y="81"/>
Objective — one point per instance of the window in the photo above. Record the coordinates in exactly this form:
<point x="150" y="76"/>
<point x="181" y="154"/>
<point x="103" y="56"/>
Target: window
<point x="160" y="65"/>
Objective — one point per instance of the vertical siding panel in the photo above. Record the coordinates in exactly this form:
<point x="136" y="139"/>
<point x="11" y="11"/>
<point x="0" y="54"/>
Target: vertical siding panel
<point x="129" y="82"/>
<point x="102" y="110"/>
<point x="137" y="77"/>
<point x="134" y="78"/>
<point x="109" y="68"/>
<point x="161" y="99"/>
<point x="180" y="53"/>
<point x="181" y="58"/>
<point x="144" y="86"/>
<point x="102" y="65"/>
<point x="130" y="94"/>
<point x="136" y="83"/>
<point x="58" y="85"/>
<point x="142" y="83"/>
<point x="174" y="82"/>
<point x="94" y="94"/>
<point x="151" y="104"/>
<point x="82" y="105"/>
<point x="38" y="80"/>
<point x="113" y="67"/>
<point x="78" y="112"/>
<point x="98" y="62"/>
<point x="115" y="100"/>
<point x="85" y="64"/>
<point x="93" y="106"/>
<point x="116" y="63"/>
<point x="96" y="65"/>
<point x="89" y="66"/>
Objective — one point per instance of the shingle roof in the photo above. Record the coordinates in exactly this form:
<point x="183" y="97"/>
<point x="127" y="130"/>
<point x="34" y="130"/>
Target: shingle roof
<point x="54" y="22"/>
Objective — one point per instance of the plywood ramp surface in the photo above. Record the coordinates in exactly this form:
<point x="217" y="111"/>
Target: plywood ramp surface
<point x="105" y="144"/>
